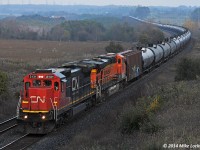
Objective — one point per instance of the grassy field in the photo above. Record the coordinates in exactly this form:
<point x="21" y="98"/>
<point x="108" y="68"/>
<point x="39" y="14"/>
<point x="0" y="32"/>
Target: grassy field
<point x="42" y="53"/>
<point x="20" y="57"/>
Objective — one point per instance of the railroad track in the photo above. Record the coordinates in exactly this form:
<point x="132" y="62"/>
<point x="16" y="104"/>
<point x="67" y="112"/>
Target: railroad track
<point x="22" y="142"/>
<point x="8" y="124"/>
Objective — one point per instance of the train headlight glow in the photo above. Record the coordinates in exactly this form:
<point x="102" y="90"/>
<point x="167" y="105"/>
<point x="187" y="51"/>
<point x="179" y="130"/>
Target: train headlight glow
<point x="26" y="117"/>
<point x="43" y="117"/>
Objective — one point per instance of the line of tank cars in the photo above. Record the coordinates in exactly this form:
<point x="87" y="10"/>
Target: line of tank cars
<point x="50" y="95"/>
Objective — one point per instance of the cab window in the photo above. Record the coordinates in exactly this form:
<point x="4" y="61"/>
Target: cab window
<point x="37" y="83"/>
<point x="119" y="61"/>
<point x="27" y="85"/>
<point x="56" y="86"/>
<point x="47" y="82"/>
<point x="62" y="86"/>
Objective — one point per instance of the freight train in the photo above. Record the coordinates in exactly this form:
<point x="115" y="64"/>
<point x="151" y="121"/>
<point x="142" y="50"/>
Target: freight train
<point x="51" y="95"/>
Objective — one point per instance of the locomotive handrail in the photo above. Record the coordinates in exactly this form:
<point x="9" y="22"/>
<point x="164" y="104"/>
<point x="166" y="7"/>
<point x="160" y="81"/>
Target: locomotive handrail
<point x="54" y="110"/>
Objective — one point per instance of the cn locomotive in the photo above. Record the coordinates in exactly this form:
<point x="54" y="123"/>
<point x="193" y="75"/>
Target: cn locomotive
<point x="50" y="95"/>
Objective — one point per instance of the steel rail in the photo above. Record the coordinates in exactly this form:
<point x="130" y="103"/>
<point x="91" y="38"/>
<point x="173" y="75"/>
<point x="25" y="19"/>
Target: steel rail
<point x="8" y="120"/>
<point x="14" y="141"/>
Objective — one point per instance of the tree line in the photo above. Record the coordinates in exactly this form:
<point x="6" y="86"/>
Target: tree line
<point x="79" y="30"/>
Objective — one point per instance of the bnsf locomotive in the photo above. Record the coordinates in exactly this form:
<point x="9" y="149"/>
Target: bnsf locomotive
<point x="50" y="95"/>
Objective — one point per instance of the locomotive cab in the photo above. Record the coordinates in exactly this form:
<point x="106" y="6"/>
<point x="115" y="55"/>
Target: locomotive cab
<point x="39" y="100"/>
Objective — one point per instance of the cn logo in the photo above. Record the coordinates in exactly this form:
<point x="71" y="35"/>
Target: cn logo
<point x="36" y="99"/>
<point x="75" y="83"/>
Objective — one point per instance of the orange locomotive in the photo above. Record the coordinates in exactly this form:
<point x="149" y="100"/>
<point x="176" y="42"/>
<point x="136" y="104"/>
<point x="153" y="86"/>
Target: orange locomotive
<point x="50" y="95"/>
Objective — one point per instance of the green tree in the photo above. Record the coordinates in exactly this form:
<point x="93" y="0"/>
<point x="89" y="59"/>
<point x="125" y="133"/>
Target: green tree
<point x="196" y="14"/>
<point x="142" y="12"/>
<point x="121" y="32"/>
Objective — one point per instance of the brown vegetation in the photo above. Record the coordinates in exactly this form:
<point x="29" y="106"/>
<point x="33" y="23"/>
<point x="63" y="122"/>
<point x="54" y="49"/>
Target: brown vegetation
<point x="194" y="27"/>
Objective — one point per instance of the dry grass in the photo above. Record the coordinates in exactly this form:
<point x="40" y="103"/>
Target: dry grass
<point x="42" y="53"/>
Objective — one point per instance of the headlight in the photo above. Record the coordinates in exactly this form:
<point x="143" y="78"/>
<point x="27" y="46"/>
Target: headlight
<point x="26" y="117"/>
<point x="43" y="117"/>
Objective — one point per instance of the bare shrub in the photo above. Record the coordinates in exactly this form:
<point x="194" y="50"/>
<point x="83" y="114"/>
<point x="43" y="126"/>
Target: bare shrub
<point x="141" y="116"/>
<point x="187" y="69"/>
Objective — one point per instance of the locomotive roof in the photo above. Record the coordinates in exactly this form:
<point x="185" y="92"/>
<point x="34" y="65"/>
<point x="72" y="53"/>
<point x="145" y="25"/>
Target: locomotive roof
<point x="59" y="72"/>
<point x="85" y="65"/>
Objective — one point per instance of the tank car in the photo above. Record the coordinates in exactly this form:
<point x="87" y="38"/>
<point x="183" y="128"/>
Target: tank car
<point x="158" y="53"/>
<point x="166" y="48"/>
<point x="148" y="58"/>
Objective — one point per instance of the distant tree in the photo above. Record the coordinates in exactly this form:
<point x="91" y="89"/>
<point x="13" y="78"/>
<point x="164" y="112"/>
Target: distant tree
<point x="77" y="31"/>
<point x="121" y="32"/>
<point x="193" y="26"/>
<point x="114" y="48"/>
<point x="144" y="39"/>
<point x="141" y="12"/>
<point x="150" y="34"/>
<point x="195" y="16"/>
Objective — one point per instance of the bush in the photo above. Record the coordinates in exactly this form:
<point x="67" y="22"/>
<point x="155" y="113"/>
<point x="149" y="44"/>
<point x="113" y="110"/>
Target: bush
<point x="141" y="116"/>
<point x="114" y="48"/>
<point x="187" y="69"/>
<point x="150" y="126"/>
<point x="132" y="120"/>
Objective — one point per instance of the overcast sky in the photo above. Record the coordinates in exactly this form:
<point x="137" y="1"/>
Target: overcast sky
<point x="107" y="2"/>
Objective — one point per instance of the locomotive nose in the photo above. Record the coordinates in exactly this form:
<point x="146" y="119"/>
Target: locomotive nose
<point x="40" y="99"/>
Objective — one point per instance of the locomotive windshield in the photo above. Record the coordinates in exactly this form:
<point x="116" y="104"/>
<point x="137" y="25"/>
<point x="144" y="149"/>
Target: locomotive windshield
<point x="42" y="83"/>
